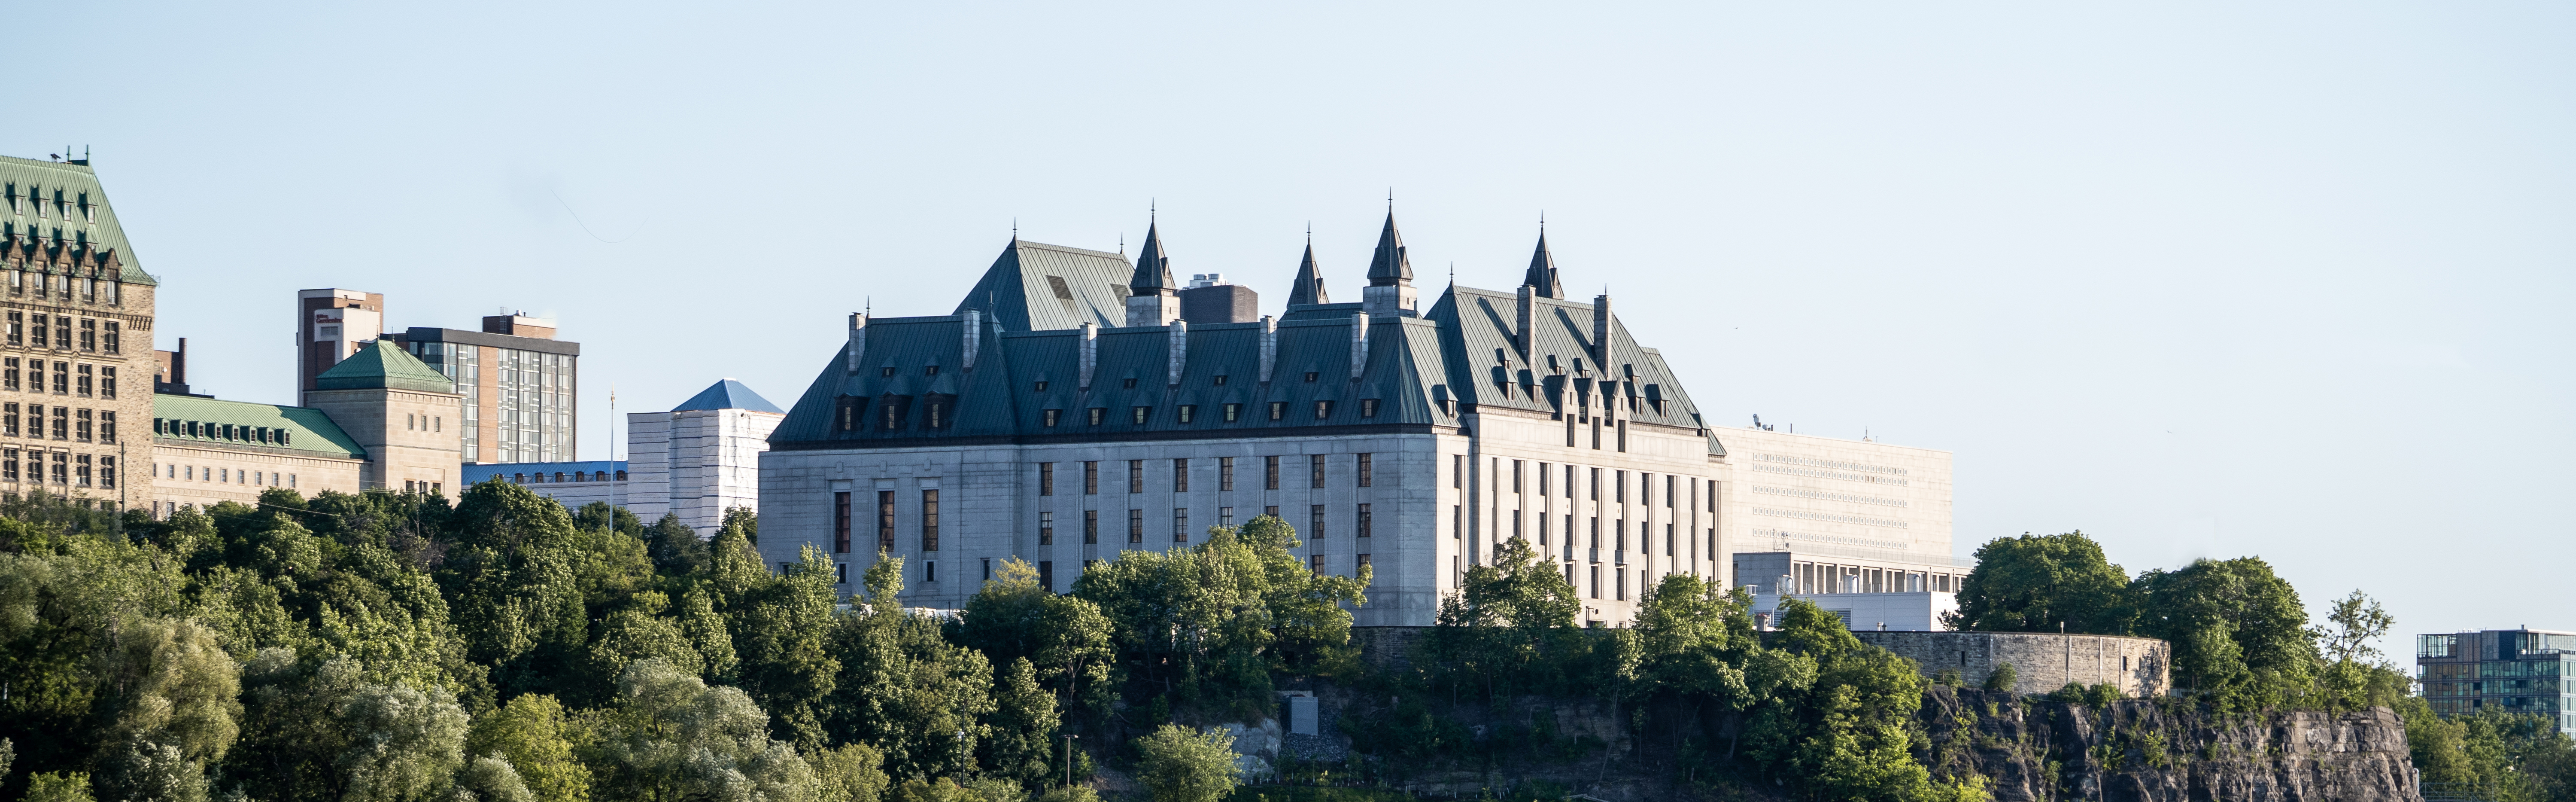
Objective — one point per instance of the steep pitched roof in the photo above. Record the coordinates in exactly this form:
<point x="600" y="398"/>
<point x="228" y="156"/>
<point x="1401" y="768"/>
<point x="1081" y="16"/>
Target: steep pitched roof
<point x="1038" y="287"/>
<point x="1153" y="268"/>
<point x="1310" y="281"/>
<point x="307" y="430"/>
<point x="727" y="394"/>
<point x="1542" y="271"/>
<point x="1388" y="265"/>
<point x="29" y="180"/>
<point x="1486" y="368"/>
<point x="381" y="364"/>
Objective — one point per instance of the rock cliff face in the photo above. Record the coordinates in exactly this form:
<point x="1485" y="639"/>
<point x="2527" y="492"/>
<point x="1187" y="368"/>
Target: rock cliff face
<point x="2164" y="751"/>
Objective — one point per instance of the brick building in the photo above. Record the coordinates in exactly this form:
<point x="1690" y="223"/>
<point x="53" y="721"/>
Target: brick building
<point x="77" y="365"/>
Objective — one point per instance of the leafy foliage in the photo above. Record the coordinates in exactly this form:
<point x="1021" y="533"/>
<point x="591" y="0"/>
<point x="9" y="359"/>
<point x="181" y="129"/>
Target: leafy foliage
<point x="1178" y="765"/>
<point x="2034" y="583"/>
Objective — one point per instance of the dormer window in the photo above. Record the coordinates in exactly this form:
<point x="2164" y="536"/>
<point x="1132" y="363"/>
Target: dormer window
<point x="1233" y="412"/>
<point x="1368" y="407"/>
<point x="1310" y="377"/>
<point x="1128" y="384"/>
<point x="888" y="372"/>
<point x="932" y="370"/>
<point x="1139" y="414"/>
<point x="1041" y="387"/>
<point x="1098" y="414"/>
<point x="1188" y="411"/>
<point x="1220" y="380"/>
<point x="1323" y="409"/>
<point x="1049" y="416"/>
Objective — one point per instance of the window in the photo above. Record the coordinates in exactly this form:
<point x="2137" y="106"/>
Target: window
<point x="1368" y="407"/>
<point x="1050" y="416"/>
<point x="62" y="468"/>
<point x="1225" y="473"/>
<point x="1315" y="525"/>
<point x="1619" y="486"/>
<point x="63" y="331"/>
<point x="1041" y="386"/>
<point x="9" y="465"/>
<point x="1668" y="491"/>
<point x="17" y="325"/>
<point x="931" y="370"/>
<point x="1569" y="481"/>
<point x="62" y="378"/>
<point x="1180" y="524"/>
<point x="1135" y="476"/>
<point x="1323" y="409"/>
<point x="1225" y="516"/>
<point x="1457" y="521"/>
<point x="1596" y="484"/>
<point x="1046" y="574"/>
<point x="107" y="426"/>
<point x="1315" y="470"/>
<point x="1596" y="534"/>
<point x="1270" y="472"/>
<point x="115" y="336"/>
<point x="1187" y="411"/>
<point x="1315" y="562"/>
<point x="929" y="571"/>
<point x="1046" y="478"/>
<point x="9" y="420"/>
<point x="62" y="423"/>
<point x="1668" y="540"/>
<point x="887" y="371"/>
<point x="1233" y="412"/>
<point x="1046" y="529"/>
<point x="1097" y="414"/>
<point x="36" y="337"/>
<point x="1367" y="470"/>
<point x="1135" y="526"/>
<point x="889" y="414"/>
<point x="885" y="520"/>
<point x="930" y="520"/>
<point x="1180" y="476"/>
<point x="1137" y="415"/>
<point x="841" y="522"/>
<point x="1278" y="410"/>
<point x="1458" y="470"/>
<point x="935" y="412"/>
<point x="840" y="573"/>
<point x="1310" y="377"/>
<point x="1090" y="526"/>
<point x="1272" y="511"/>
<point x="1516" y="477"/>
<point x="847" y="413"/>
<point x="82" y="429"/>
<point x="81" y="472"/>
<point x="106" y="382"/>
<point x="89" y="335"/>
<point x="1128" y="383"/>
<point x="1364" y="521"/>
<point x="9" y="374"/>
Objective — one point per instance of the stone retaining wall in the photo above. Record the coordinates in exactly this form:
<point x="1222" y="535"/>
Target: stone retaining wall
<point x="2041" y="661"/>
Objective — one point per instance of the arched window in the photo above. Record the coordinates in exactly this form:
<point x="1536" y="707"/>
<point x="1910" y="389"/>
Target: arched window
<point x="579" y="476"/>
<point x="518" y="478"/>
<point x="559" y="476"/>
<point x="621" y="476"/>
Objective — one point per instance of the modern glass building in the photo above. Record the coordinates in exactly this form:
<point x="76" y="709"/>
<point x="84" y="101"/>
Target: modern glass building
<point x="520" y="385"/>
<point x="2515" y="670"/>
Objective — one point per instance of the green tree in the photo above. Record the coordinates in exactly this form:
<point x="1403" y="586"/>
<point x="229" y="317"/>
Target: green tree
<point x="848" y="773"/>
<point x="511" y="578"/>
<point x="2355" y="673"/>
<point x="1850" y="735"/>
<point x="1211" y="621"/>
<point x="2238" y="631"/>
<point x="599" y="515"/>
<point x="675" y="548"/>
<point x="2034" y="583"/>
<point x="673" y="737"/>
<point x="172" y="691"/>
<point x="1065" y="638"/>
<point x="1177" y="765"/>
<point x="539" y="739"/>
<point x="1022" y="726"/>
<point x="68" y="786"/>
<point x="904" y="688"/>
<point x="1509" y="629"/>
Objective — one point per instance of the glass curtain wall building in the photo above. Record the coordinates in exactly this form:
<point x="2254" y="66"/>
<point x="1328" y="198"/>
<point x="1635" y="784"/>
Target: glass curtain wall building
<point x="521" y="392"/>
<point x="2514" y="670"/>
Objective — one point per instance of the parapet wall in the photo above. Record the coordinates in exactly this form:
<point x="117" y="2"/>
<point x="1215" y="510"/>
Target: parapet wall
<point x="2041" y="661"/>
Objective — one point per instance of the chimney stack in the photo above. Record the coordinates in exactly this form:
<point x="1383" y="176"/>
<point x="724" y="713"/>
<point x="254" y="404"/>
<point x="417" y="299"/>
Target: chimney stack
<point x="858" y="339"/>
<point x="1522" y="335"/>
<point x="1090" y="352"/>
<point x="1269" y="346"/>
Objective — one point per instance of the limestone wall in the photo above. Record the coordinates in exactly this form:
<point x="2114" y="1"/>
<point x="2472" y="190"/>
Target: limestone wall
<point x="2041" y="662"/>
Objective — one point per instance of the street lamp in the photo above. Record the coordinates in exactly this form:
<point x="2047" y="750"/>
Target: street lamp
<point x="1068" y="758"/>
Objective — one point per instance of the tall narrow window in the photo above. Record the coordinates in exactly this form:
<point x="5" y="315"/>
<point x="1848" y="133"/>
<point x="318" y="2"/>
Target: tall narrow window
<point x="1315" y="525"/>
<point x="1596" y="484"/>
<point x="1046" y="529"/>
<point x="1364" y="522"/>
<point x="1233" y="412"/>
<point x="1046" y="478"/>
<point x="1668" y="491"/>
<point x="1046" y="575"/>
<point x="9" y="374"/>
<point x="1457" y="470"/>
<point x="1457" y="521"/>
<point x="1315" y="465"/>
<point x="885" y="520"/>
<point x="89" y="335"/>
<point x="115" y="336"/>
<point x="1619" y="486"/>
<point x="106" y="382"/>
<point x="82" y="428"/>
<point x="1135" y="526"/>
<point x="1225" y="473"/>
<point x="1270" y="472"/>
<point x="1090" y="526"/>
<point x="1135" y="476"/>
<point x="841" y="522"/>
<point x="1091" y="477"/>
<point x="1367" y="472"/>
<point x="1278" y="410"/>
<point x="1516" y="477"/>
<point x="1180" y="524"/>
<point x="1180" y="476"/>
<point x="930" y="520"/>
<point x="84" y="384"/>
<point x="106" y="426"/>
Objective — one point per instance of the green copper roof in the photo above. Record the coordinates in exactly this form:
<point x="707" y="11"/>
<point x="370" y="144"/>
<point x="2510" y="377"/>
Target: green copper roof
<point x="28" y="181"/>
<point x="380" y="364"/>
<point x="198" y="419"/>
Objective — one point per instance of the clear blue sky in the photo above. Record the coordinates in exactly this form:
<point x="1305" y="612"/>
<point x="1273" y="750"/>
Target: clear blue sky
<point x="2290" y="280"/>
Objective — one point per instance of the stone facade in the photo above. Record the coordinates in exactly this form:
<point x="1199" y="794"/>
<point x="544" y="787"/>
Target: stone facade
<point x="701" y="459"/>
<point x="78" y="358"/>
<point x="2042" y="662"/>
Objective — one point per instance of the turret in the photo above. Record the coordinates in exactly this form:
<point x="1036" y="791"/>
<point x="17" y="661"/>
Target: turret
<point x="1152" y="297"/>
<point x="1390" y="276"/>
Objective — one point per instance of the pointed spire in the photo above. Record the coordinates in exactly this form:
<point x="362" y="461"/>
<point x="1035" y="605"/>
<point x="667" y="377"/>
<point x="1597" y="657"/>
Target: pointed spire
<point x="1310" y="279"/>
<point x="1388" y="266"/>
<point x="1153" y="269"/>
<point x="1542" y="271"/>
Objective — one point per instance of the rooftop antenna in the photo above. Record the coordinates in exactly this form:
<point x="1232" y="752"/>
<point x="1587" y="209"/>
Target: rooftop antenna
<point x="1390" y="200"/>
<point x="1150" y="212"/>
<point x="1015" y="229"/>
<point x="1310" y="233"/>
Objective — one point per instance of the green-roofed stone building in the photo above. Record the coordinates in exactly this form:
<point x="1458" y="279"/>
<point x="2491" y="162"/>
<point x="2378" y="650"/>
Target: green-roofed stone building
<point x="400" y="412"/>
<point x="76" y="368"/>
<point x="206" y="451"/>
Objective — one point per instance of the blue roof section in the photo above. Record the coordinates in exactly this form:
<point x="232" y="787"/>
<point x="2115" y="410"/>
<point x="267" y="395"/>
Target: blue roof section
<point x="475" y="474"/>
<point x="728" y="394"/>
